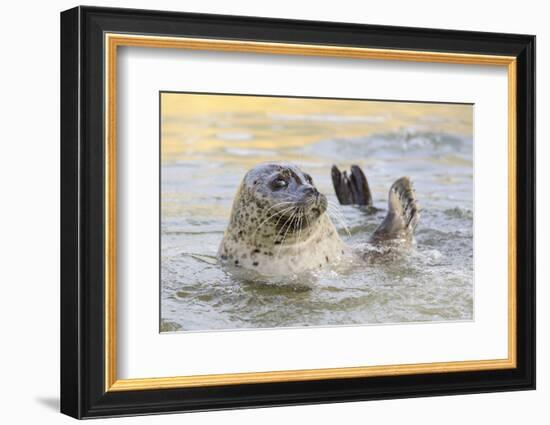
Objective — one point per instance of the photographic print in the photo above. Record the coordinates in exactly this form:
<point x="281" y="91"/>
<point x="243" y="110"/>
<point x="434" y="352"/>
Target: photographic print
<point x="332" y="186"/>
<point x="293" y="212"/>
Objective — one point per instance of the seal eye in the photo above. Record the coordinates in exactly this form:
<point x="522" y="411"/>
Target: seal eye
<point x="279" y="183"/>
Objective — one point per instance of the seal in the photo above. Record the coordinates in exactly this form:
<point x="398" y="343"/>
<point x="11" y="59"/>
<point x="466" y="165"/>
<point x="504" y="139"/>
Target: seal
<point x="279" y="223"/>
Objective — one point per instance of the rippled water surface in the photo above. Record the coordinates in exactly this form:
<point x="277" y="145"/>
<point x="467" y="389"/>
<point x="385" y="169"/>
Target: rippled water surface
<point x="209" y="142"/>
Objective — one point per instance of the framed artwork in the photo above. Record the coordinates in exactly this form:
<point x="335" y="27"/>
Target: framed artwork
<point x="261" y="212"/>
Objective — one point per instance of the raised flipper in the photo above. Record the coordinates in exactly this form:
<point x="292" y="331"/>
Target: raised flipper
<point x="402" y="216"/>
<point x="352" y="190"/>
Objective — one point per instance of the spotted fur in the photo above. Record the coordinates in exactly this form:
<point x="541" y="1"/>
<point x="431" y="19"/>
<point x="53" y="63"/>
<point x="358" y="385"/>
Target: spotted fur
<point x="264" y="235"/>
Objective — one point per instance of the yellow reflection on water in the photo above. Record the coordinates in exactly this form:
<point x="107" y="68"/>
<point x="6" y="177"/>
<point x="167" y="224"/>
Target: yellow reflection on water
<point x="194" y="124"/>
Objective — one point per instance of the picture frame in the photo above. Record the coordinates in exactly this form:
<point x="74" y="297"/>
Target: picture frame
<point x="91" y="38"/>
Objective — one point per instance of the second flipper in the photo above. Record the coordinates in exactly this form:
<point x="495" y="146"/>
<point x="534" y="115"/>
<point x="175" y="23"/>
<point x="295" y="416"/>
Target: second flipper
<point x="352" y="190"/>
<point x="403" y="213"/>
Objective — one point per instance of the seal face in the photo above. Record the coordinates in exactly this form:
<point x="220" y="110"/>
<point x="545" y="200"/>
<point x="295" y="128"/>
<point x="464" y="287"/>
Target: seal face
<point x="279" y="224"/>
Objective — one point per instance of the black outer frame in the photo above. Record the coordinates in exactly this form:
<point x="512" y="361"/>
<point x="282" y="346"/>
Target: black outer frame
<point x="82" y="219"/>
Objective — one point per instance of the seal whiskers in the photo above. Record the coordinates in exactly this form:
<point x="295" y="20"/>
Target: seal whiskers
<point x="335" y="213"/>
<point x="301" y="225"/>
<point x="287" y="229"/>
<point x="282" y="212"/>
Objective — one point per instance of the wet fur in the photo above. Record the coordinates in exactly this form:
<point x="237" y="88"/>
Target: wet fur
<point x="263" y="234"/>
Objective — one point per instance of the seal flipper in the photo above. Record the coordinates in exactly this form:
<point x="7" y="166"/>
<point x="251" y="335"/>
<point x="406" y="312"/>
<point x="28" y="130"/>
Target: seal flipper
<point x="352" y="190"/>
<point x="403" y="214"/>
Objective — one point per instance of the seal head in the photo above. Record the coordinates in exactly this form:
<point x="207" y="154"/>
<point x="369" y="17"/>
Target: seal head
<point x="279" y="224"/>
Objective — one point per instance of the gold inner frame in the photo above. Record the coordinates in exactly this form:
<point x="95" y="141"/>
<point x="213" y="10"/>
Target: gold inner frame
<point x="113" y="41"/>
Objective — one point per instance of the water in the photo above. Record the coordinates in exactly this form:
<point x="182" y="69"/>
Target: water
<point x="207" y="150"/>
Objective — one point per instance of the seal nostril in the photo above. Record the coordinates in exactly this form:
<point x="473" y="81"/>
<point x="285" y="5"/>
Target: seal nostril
<point x="310" y="190"/>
